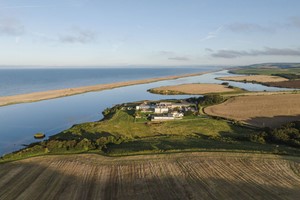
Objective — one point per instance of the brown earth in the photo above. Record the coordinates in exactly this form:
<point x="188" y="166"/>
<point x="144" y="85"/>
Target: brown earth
<point x="51" y="94"/>
<point x="194" y="88"/>
<point x="170" y="176"/>
<point x="261" y="111"/>
<point x="285" y="84"/>
<point x="255" y="78"/>
<point x="263" y="93"/>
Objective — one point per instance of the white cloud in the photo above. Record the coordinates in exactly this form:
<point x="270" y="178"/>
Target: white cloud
<point x="294" y="21"/>
<point x="179" y="58"/>
<point x="248" y="27"/>
<point x="267" y="51"/>
<point x="68" y="3"/>
<point x="11" y="27"/>
<point x="166" y="53"/>
<point x="78" y="35"/>
<point x="212" y="34"/>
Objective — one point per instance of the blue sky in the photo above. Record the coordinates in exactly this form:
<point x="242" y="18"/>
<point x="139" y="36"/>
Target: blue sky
<point x="148" y="32"/>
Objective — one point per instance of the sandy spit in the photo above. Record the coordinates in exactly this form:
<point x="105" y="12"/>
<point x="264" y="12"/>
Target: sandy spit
<point x="195" y="88"/>
<point x="51" y="94"/>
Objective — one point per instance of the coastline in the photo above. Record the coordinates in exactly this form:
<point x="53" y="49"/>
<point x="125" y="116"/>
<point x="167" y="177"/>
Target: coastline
<point x="52" y="94"/>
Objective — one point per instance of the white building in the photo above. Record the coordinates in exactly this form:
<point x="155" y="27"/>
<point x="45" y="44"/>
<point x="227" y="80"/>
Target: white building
<point x="145" y="106"/>
<point x="180" y="105"/>
<point x="164" y="104"/>
<point x="142" y="107"/>
<point x="159" y="118"/>
<point x="161" y="110"/>
<point x="176" y="114"/>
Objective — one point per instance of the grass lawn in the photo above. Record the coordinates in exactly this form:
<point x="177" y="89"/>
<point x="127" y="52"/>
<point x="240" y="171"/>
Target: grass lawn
<point x="122" y="124"/>
<point x="167" y="144"/>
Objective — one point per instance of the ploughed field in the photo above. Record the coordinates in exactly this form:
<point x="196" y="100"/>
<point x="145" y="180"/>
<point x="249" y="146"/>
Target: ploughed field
<point x="286" y="84"/>
<point x="202" y="175"/>
<point x="261" y="111"/>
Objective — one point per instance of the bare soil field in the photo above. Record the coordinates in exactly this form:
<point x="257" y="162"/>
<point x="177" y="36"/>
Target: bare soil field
<point x="262" y="111"/>
<point x="51" y="94"/>
<point x="254" y="78"/>
<point x="263" y="93"/>
<point x="202" y="175"/>
<point x="285" y="84"/>
<point x="194" y="88"/>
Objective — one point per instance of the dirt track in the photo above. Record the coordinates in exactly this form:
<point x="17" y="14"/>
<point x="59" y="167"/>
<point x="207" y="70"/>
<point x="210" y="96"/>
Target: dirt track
<point x="173" y="176"/>
<point x="261" y="111"/>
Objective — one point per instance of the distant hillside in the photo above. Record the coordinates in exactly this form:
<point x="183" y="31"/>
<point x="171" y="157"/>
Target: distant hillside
<point x="271" y="65"/>
<point x="268" y="69"/>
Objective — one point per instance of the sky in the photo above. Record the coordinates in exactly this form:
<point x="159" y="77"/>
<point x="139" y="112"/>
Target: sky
<point x="148" y="32"/>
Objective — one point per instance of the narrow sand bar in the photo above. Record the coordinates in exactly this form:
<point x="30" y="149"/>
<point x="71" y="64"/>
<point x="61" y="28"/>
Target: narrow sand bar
<point x="51" y="94"/>
<point x="192" y="88"/>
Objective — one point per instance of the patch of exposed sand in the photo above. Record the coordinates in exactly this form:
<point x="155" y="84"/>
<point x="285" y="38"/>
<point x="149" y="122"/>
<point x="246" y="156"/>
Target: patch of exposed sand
<point x="194" y="88"/>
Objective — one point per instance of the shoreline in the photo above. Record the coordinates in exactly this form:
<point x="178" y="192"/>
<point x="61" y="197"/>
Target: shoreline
<point x="52" y="94"/>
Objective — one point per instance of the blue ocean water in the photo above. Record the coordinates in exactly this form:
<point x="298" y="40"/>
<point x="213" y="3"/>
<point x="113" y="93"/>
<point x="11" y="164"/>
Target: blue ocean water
<point x="20" y="81"/>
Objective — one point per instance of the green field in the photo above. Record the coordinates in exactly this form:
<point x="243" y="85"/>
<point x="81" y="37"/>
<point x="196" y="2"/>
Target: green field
<point x="123" y="124"/>
<point x="268" y="69"/>
<point x="167" y="144"/>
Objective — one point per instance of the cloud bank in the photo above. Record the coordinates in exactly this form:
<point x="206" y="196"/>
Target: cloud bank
<point x="248" y="27"/>
<point x="179" y="58"/>
<point x="212" y="34"/>
<point x="11" y="27"/>
<point x="295" y="21"/>
<point x="78" y="36"/>
<point x="265" y="52"/>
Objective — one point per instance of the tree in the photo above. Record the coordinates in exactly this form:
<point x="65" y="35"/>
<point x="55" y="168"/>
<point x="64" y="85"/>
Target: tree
<point x="210" y="99"/>
<point x="225" y="83"/>
<point x="101" y="142"/>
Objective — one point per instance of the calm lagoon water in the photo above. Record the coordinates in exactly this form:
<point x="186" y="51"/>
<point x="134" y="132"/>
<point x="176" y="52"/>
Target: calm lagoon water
<point x="21" y="121"/>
